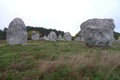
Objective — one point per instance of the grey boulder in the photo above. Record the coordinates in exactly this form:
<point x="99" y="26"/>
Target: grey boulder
<point x="45" y="38"/>
<point x="77" y="39"/>
<point x="67" y="36"/>
<point x="98" y="32"/>
<point x="52" y="36"/>
<point x="17" y="32"/>
<point x="60" y="38"/>
<point x="35" y="36"/>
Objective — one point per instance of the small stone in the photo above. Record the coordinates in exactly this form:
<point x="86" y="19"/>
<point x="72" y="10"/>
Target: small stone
<point x="45" y="38"/>
<point x="119" y="38"/>
<point x="60" y="38"/>
<point x="67" y="36"/>
<point x="52" y="36"/>
<point x="35" y="36"/>
<point x="77" y="39"/>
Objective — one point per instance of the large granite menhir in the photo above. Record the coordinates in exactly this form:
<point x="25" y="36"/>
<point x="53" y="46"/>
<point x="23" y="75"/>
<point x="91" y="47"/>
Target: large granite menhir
<point x="16" y="33"/>
<point x="98" y="32"/>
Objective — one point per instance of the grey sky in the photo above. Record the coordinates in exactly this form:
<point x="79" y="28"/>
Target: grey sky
<point x="66" y="15"/>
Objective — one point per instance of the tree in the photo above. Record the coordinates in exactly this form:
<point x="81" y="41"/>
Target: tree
<point x="44" y="31"/>
<point x="116" y="35"/>
<point x="78" y="34"/>
<point x="3" y="34"/>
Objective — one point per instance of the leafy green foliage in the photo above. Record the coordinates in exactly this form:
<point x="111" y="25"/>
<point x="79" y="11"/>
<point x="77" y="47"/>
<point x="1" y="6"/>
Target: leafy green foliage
<point x="44" y="31"/>
<point x="3" y="34"/>
<point x="78" y="34"/>
<point x="116" y="35"/>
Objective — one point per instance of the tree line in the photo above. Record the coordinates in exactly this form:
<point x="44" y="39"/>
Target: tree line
<point x="44" y="31"/>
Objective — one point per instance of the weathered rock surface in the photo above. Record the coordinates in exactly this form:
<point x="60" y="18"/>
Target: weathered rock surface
<point x="98" y="32"/>
<point x="44" y="38"/>
<point x="16" y="33"/>
<point x="67" y="36"/>
<point x="77" y="39"/>
<point x="35" y="36"/>
<point x="60" y="38"/>
<point x="52" y="36"/>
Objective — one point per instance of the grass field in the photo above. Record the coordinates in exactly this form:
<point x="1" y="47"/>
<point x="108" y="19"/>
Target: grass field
<point x="43" y="60"/>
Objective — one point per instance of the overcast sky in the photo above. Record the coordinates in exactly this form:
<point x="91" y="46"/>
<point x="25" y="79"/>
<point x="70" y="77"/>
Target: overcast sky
<point x="65" y="15"/>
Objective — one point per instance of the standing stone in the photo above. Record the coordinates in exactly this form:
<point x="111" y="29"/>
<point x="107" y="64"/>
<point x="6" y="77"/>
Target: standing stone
<point x="98" y="32"/>
<point x="119" y="38"/>
<point x="52" y="36"/>
<point x="35" y="36"/>
<point x="81" y="37"/>
<point x="67" y="36"/>
<point x="77" y="39"/>
<point x="60" y="37"/>
<point x="45" y="38"/>
<point x="17" y="32"/>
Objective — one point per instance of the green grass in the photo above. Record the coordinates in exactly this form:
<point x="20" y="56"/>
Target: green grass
<point x="43" y="60"/>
